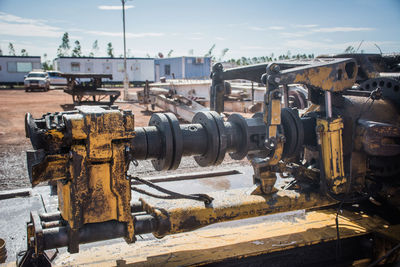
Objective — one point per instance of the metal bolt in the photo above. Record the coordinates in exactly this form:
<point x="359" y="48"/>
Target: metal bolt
<point x="275" y="68"/>
<point x="277" y="95"/>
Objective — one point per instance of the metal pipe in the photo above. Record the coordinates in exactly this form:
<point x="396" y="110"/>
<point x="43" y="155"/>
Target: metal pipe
<point x="136" y="206"/>
<point x="46" y="225"/>
<point x="50" y="217"/>
<point x="285" y="95"/>
<point x="240" y="204"/>
<point x="58" y="237"/>
<point x="126" y="82"/>
<point x="328" y="104"/>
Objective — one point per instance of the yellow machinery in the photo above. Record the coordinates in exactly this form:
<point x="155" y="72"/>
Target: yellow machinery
<point x="344" y="149"/>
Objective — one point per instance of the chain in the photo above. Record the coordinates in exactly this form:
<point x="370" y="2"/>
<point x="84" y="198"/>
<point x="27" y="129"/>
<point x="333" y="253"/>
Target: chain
<point x="169" y="194"/>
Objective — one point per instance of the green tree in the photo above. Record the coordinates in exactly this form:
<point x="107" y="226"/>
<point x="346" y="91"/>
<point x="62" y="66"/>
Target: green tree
<point x="170" y="53"/>
<point x="46" y="63"/>
<point x="24" y="53"/>
<point x="63" y="49"/>
<point x="11" y="50"/>
<point x="95" y="49"/>
<point x="210" y="51"/>
<point x="191" y="52"/>
<point x="223" y="53"/>
<point x="1" y="52"/>
<point x="350" y="49"/>
<point x="76" y="52"/>
<point x="110" y="50"/>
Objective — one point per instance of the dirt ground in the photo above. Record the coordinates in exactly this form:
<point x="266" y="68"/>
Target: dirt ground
<point x="14" y="104"/>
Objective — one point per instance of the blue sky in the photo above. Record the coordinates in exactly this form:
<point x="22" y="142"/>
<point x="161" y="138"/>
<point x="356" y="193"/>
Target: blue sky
<point x="247" y="28"/>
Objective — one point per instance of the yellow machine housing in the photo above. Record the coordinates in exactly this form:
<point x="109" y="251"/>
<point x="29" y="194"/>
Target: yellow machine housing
<point x="330" y="139"/>
<point x="91" y="182"/>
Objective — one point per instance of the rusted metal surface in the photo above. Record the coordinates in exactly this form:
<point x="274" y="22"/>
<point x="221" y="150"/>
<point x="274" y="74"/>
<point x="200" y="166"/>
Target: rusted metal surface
<point x="330" y="139"/>
<point x="183" y="107"/>
<point x="176" y="216"/>
<point x="89" y="92"/>
<point x="231" y="240"/>
<point x="91" y="187"/>
<point x="3" y="251"/>
<point x="380" y="139"/>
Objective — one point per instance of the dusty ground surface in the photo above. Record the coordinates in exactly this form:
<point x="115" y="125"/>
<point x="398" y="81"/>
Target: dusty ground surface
<point x="13" y="143"/>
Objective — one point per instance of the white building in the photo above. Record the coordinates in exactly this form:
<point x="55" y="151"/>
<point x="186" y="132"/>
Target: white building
<point x="138" y="69"/>
<point x="14" y="68"/>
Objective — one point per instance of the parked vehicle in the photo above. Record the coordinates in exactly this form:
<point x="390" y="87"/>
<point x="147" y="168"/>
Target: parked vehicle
<point x="55" y="78"/>
<point x="37" y="80"/>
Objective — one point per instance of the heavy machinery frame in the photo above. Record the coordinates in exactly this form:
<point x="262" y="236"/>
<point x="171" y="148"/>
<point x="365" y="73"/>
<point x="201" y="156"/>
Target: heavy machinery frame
<point x="89" y="92"/>
<point x="340" y="151"/>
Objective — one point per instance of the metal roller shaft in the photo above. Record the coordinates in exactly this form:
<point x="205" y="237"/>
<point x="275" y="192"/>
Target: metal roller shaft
<point x="208" y="138"/>
<point x="57" y="237"/>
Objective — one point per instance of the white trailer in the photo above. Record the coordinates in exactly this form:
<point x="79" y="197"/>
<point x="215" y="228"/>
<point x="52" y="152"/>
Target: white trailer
<point x="14" y="68"/>
<point x="138" y="69"/>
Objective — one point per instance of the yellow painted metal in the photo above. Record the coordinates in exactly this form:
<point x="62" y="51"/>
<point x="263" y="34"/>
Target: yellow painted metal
<point x="91" y="181"/>
<point x="273" y="119"/>
<point x="176" y="216"/>
<point x="326" y="77"/>
<point x="53" y="167"/>
<point x="263" y="175"/>
<point x="330" y="139"/>
<point x="229" y="241"/>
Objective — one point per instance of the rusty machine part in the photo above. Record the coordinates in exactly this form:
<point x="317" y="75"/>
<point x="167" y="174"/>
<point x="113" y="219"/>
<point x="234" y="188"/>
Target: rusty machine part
<point x="89" y="92"/>
<point x="344" y="149"/>
<point x="3" y="251"/>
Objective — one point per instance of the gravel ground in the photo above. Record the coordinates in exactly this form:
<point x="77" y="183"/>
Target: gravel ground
<point x="13" y="172"/>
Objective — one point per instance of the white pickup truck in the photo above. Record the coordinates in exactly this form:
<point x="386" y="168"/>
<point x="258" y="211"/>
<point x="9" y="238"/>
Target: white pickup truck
<point x="36" y="80"/>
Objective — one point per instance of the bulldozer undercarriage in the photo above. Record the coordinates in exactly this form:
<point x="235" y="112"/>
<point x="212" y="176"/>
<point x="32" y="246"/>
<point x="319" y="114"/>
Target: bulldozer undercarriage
<point x="337" y="161"/>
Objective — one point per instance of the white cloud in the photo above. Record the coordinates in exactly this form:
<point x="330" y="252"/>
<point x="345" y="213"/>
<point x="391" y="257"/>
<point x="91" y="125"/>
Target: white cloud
<point x="295" y="34"/>
<point x="15" y="19"/>
<point x="276" y="28"/>
<point x="312" y="30"/>
<point x="343" y="29"/>
<point x="260" y="29"/>
<point x="255" y="28"/>
<point x="18" y="26"/>
<point x="195" y="38"/>
<point x="31" y="30"/>
<point x="115" y="7"/>
<point x="305" y="25"/>
<point x="119" y="34"/>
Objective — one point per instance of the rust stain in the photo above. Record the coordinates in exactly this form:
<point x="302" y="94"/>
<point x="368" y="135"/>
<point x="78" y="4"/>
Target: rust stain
<point x="218" y="184"/>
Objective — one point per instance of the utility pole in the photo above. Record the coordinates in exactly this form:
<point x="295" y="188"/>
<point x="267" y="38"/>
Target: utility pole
<point x="126" y="81"/>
